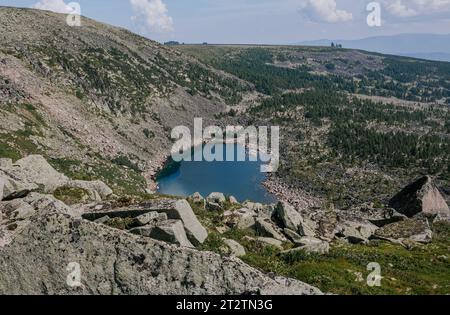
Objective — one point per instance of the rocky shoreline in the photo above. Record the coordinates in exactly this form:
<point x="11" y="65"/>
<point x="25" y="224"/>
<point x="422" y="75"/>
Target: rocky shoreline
<point x="294" y="196"/>
<point x="152" y="171"/>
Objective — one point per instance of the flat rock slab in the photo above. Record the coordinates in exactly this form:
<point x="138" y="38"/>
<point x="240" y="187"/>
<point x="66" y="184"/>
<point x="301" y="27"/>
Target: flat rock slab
<point x="311" y="245"/>
<point x="170" y="231"/>
<point x="417" y="230"/>
<point x="35" y="169"/>
<point x="174" y="208"/>
<point x="265" y="228"/>
<point x="356" y="232"/>
<point x="150" y="217"/>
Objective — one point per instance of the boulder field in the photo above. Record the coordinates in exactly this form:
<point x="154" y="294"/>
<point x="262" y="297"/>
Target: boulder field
<point x="150" y="250"/>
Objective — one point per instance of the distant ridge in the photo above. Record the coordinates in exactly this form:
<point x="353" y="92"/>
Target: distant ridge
<point x="425" y="46"/>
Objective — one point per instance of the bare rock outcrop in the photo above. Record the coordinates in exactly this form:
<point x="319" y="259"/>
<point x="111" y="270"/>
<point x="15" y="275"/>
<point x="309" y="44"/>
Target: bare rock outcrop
<point x="35" y="169"/>
<point x="356" y="231"/>
<point x="242" y="218"/>
<point x="293" y="220"/>
<point x="417" y="230"/>
<point x="12" y="187"/>
<point x="116" y="262"/>
<point x="34" y="173"/>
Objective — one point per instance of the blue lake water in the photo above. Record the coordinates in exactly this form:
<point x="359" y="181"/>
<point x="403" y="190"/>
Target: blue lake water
<point x="242" y="180"/>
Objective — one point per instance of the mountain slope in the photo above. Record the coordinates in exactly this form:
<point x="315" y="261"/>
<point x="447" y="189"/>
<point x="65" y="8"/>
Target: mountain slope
<point x="98" y="100"/>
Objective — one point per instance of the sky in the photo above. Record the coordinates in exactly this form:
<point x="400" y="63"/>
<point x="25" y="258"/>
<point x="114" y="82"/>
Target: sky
<point x="258" y="21"/>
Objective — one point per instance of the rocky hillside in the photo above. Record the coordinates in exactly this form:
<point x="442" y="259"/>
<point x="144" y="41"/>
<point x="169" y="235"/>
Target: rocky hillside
<point x="50" y="223"/>
<point x="40" y="236"/>
<point x="95" y="99"/>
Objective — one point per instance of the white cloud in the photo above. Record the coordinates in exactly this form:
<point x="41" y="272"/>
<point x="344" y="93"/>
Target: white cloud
<point x="58" y="6"/>
<point x="154" y="15"/>
<point x="397" y="8"/>
<point x="433" y="4"/>
<point x="413" y="8"/>
<point x="325" y="11"/>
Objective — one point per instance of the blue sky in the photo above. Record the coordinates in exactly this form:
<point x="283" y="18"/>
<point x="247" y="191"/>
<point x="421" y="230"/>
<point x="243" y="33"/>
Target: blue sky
<point x="259" y="21"/>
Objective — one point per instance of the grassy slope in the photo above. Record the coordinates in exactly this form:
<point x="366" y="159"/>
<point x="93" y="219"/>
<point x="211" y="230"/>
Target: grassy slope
<point x="424" y="269"/>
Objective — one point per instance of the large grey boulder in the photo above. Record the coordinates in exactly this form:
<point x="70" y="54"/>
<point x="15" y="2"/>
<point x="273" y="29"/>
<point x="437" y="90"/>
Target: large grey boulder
<point x="422" y="196"/>
<point x="259" y="208"/>
<point x="12" y="187"/>
<point x="356" y="232"/>
<point x="236" y="249"/>
<point x="265" y="228"/>
<point x="213" y="206"/>
<point x="34" y="173"/>
<point x="45" y="204"/>
<point x="182" y="210"/>
<point x="198" y="199"/>
<point x="216" y="197"/>
<point x="242" y="219"/>
<point x="17" y="214"/>
<point x="293" y="220"/>
<point x="149" y="218"/>
<point x="233" y="200"/>
<point x="293" y="236"/>
<point x="314" y="245"/>
<point x="311" y="245"/>
<point x="35" y="169"/>
<point x="290" y="218"/>
<point x="170" y="231"/>
<point x="116" y="262"/>
<point x="254" y="206"/>
<point x="97" y="190"/>
<point x="378" y="216"/>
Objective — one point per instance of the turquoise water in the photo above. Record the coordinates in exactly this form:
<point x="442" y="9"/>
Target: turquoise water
<point x="242" y="180"/>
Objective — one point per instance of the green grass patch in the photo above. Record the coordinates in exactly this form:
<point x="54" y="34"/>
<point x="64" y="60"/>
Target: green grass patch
<point x="17" y="144"/>
<point x="71" y="195"/>
<point x="8" y="151"/>
<point x="124" y="182"/>
<point x="125" y="161"/>
<point x="120" y="223"/>
<point x="423" y="270"/>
